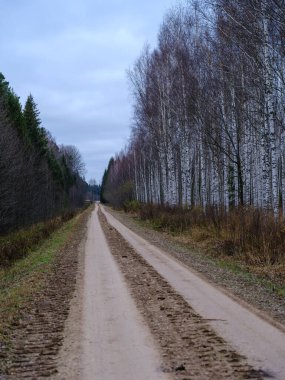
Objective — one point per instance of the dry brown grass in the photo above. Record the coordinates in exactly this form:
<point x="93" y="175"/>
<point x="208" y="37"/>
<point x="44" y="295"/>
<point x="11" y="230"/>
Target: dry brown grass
<point x="248" y="236"/>
<point x="17" y="244"/>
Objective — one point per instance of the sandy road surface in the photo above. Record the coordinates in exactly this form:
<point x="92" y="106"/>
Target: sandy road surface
<point x="113" y="342"/>
<point x="259" y="341"/>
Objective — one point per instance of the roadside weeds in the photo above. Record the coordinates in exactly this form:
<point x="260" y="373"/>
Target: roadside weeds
<point x="34" y="296"/>
<point x="236" y="279"/>
<point x="189" y="346"/>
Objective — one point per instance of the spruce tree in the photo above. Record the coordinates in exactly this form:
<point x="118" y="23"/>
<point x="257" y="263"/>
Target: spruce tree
<point x="11" y="106"/>
<point x="15" y="114"/>
<point x="32" y="121"/>
<point x="4" y="85"/>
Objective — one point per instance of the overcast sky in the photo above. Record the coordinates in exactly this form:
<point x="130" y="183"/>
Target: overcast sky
<point x="72" y="55"/>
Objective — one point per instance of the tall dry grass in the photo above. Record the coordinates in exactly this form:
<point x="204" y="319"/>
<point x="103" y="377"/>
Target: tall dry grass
<point x="253" y="235"/>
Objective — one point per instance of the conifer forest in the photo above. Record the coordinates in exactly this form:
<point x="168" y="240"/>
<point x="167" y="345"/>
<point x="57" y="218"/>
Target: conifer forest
<point x="39" y="179"/>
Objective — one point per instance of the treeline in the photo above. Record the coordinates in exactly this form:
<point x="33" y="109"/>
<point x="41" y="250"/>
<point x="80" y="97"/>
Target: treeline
<point x="38" y="179"/>
<point x="208" y="123"/>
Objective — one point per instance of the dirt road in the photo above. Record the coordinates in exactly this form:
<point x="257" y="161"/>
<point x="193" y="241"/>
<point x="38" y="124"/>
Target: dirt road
<point x="140" y="314"/>
<point x="114" y="340"/>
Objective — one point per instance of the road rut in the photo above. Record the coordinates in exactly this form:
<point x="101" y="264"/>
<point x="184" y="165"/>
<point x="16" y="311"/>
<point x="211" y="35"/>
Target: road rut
<point x="260" y="342"/>
<point x="140" y="314"/>
<point x="114" y="341"/>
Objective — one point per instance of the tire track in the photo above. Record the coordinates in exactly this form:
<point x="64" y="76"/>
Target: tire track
<point x="189" y="346"/>
<point x="36" y="337"/>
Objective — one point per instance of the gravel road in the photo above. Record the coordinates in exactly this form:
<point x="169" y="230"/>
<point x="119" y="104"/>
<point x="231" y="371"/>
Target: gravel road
<point x="115" y="307"/>
<point x="113" y="342"/>
<point x="260" y="342"/>
<point x="140" y="314"/>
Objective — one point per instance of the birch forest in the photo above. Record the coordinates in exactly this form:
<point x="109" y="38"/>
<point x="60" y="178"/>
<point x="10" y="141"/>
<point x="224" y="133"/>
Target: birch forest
<point x="208" y="113"/>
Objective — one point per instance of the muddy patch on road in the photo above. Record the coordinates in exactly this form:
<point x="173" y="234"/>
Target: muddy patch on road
<point x="189" y="347"/>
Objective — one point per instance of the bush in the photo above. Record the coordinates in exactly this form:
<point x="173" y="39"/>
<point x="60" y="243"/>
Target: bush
<point x="253" y="235"/>
<point x="132" y="206"/>
<point x="173" y="218"/>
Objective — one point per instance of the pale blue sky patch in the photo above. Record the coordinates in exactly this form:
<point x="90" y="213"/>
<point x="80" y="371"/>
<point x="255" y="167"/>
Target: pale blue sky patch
<point x="72" y="56"/>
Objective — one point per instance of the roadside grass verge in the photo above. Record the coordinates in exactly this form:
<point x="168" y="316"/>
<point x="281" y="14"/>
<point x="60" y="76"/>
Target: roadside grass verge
<point x="17" y="244"/>
<point x="21" y="280"/>
<point x="246" y="240"/>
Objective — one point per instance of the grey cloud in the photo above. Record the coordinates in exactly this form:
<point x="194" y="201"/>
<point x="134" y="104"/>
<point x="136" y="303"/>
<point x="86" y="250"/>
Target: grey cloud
<point x="72" y="56"/>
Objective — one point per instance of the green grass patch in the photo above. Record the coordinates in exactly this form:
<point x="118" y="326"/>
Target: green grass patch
<point x="233" y="267"/>
<point x="20" y="281"/>
<point x="17" y="244"/>
<point x="281" y="292"/>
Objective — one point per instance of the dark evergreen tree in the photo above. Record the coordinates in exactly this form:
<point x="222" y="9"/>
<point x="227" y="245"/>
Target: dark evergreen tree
<point x="15" y="113"/>
<point x="37" y="180"/>
<point x="32" y="120"/>
<point x="4" y="85"/>
<point x="104" y="181"/>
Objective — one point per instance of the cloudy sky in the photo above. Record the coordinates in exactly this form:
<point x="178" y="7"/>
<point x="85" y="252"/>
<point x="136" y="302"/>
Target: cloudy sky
<point x="72" y="55"/>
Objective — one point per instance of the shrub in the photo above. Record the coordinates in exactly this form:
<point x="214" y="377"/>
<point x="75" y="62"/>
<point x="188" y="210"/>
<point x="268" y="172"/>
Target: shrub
<point x="252" y="235"/>
<point x="132" y="206"/>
